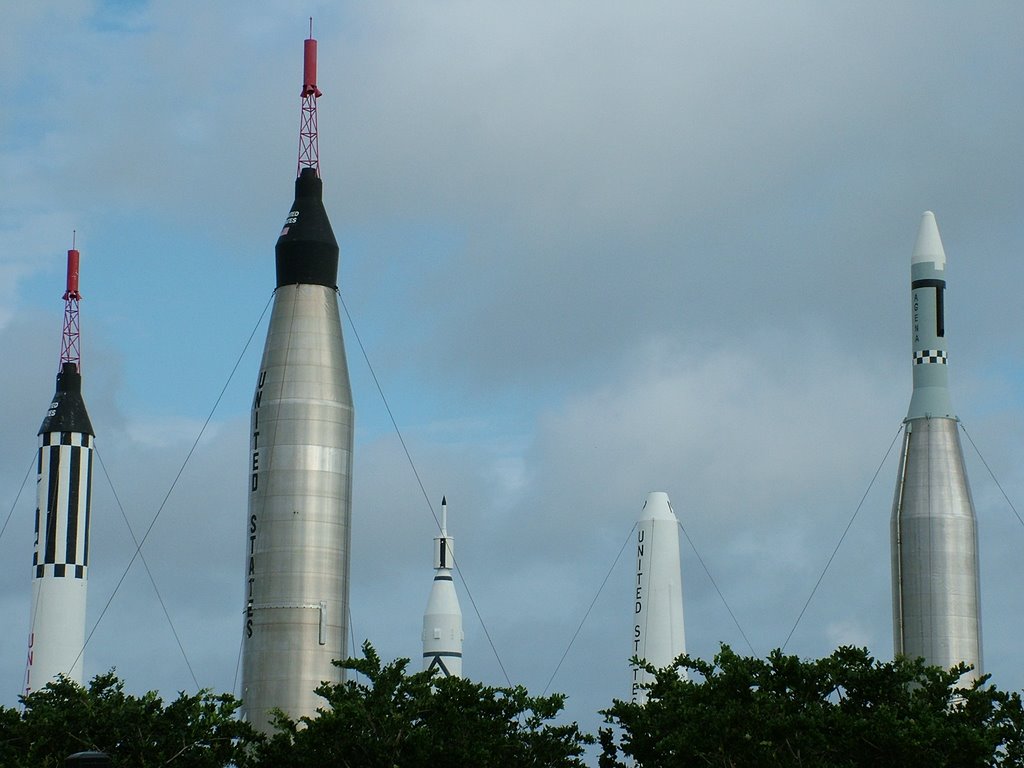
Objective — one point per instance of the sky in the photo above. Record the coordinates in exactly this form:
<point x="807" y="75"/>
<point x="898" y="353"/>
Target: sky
<point x="590" y="251"/>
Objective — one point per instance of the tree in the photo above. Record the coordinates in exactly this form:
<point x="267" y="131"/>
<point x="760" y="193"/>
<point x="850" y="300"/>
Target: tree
<point x="843" y="711"/>
<point x="198" y="731"/>
<point x="411" y="720"/>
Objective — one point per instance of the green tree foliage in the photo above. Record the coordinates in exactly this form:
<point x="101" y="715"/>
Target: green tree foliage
<point x="198" y="731"/>
<point x="405" y="720"/>
<point x="843" y="711"/>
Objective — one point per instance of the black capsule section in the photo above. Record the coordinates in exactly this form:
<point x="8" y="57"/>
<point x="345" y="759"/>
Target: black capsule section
<point x="67" y="411"/>
<point x="306" y="251"/>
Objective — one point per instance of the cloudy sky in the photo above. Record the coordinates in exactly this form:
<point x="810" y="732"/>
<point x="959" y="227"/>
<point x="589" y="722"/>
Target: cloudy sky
<point x="591" y="251"/>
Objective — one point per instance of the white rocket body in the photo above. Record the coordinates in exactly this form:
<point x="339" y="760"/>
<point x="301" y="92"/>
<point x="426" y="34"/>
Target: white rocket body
<point x="442" y="621"/>
<point x="658" y="627"/>
<point x="61" y="558"/>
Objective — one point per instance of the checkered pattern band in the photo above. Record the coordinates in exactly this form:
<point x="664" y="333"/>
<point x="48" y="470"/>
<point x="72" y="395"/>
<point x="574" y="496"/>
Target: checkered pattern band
<point x="923" y="356"/>
<point x="66" y="438"/>
<point x="59" y="571"/>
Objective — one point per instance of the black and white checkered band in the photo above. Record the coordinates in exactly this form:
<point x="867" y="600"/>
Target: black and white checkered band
<point x="923" y="356"/>
<point x="66" y="438"/>
<point x="60" y="571"/>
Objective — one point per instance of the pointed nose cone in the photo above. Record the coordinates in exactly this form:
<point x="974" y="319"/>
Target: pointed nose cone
<point x="657" y="507"/>
<point x="928" y="247"/>
<point x="67" y="410"/>
<point x="307" y="252"/>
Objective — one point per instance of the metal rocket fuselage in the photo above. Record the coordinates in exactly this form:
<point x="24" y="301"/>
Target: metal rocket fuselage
<point x="442" y="620"/>
<point x="658" y="626"/>
<point x="936" y="600"/>
<point x="300" y="486"/>
<point x="61" y="559"/>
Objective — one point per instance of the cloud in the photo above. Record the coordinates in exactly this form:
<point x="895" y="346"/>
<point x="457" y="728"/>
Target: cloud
<point x="668" y="170"/>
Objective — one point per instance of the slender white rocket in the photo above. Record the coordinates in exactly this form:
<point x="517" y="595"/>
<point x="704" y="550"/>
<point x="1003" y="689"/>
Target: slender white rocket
<point x="658" y="635"/>
<point x="935" y="584"/>
<point x="64" y="503"/>
<point x="442" y="621"/>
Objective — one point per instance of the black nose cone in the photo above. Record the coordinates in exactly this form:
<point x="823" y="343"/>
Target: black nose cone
<point x="67" y="411"/>
<point x="306" y="250"/>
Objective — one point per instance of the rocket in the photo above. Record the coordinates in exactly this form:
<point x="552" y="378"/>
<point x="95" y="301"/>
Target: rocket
<point x="658" y="635"/>
<point x="442" y="621"/>
<point x="60" y="562"/>
<point x="935" y="593"/>
<point x="298" y="533"/>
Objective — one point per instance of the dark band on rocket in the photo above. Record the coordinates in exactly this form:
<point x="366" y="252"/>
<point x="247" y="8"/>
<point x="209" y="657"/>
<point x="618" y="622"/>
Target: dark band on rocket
<point x="940" y="316"/>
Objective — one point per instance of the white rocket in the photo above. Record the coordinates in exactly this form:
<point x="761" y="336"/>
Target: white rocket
<point x="936" y="603"/>
<point x="64" y="499"/>
<point x="442" y="621"/>
<point x="658" y="631"/>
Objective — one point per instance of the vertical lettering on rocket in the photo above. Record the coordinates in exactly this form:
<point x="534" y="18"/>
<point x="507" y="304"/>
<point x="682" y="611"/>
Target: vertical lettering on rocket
<point x="251" y="576"/>
<point x="255" y="484"/>
<point x="639" y="569"/>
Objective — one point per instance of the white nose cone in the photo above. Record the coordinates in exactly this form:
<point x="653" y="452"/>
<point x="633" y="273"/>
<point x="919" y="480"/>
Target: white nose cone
<point x="928" y="247"/>
<point x="658" y="629"/>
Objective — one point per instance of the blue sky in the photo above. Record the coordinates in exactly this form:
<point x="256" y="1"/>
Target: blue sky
<point x="592" y="251"/>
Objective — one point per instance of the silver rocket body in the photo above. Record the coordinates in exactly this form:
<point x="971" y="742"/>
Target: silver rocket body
<point x="936" y="599"/>
<point x="299" y="524"/>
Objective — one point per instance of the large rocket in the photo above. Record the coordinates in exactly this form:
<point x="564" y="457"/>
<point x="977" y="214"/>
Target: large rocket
<point x="935" y="594"/>
<point x="298" y="532"/>
<point x="442" y="621"/>
<point x="658" y="635"/>
<point x="64" y="498"/>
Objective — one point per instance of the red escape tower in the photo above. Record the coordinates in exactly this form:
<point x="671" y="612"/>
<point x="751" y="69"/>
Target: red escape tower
<point x="309" y="147"/>
<point x="70" y="345"/>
